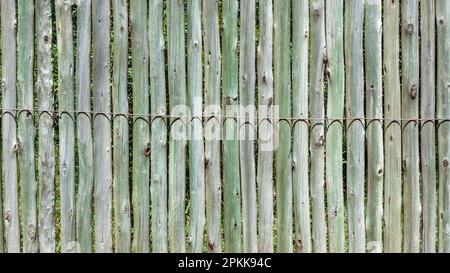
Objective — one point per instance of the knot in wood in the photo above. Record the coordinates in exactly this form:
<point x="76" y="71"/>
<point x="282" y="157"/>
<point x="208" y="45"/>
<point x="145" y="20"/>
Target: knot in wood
<point x="7" y="216"/>
<point x="298" y="245"/>
<point x="325" y="57"/>
<point x="16" y="146"/>
<point x="264" y="78"/>
<point x="445" y="163"/>
<point x="413" y="91"/>
<point x="211" y="246"/>
<point x="316" y="12"/>
<point x="409" y="29"/>
<point x="31" y="232"/>
<point x="320" y="142"/>
<point x="227" y="100"/>
<point x="147" y="149"/>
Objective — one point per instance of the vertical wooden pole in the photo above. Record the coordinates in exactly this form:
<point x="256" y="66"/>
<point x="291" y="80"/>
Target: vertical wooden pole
<point x="66" y="123"/>
<point x="9" y="137"/>
<point x="392" y="136"/>
<point x="335" y="75"/>
<point x="443" y="113"/>
<point x="158" y="110"/>
<point x="374" y="112"/>
<point x="300" y="93"/>
<point x="247" y="77"/>
<point x="212" y="146"/>
<point x="317" y="109"/>
<point x="354" y="69"/>
<point x="141" y="132"/>
<point x="121" y="151"/>
<point x="177" y="147"/>
<point x="231" y="170"/>
<point x="210" y="18"/>
<point x="44" y="87"/>
<point x="26" y="130"/>
<point x="410" y="135"/>
<point x="266" y="132"/>
<point x="282" y="89"/>
<point x="196" y="146"/>
<point x="102" y="126"/>
<point x="428" y="130"/>
<point x="84" y="128"/>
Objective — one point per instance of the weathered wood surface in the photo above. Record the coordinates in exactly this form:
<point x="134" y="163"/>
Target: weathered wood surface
<point x="264" y="179"/>
<point x="141" y="132"/>
<point x="159" y="130"/>
<point x="247" y="77"/>
<point x="122" y="124"/>
<point x="10" y="146"/>
<point x="83" y="214"/>
<point x="354" y="89"/>
<point x="102" y="126"/>
<point x="177" y="140"/>
<point x="374" y="112"/>
<point x="428" y="133"/>
<point x="410" y="136"/>
<point x="26" y="131"/>
<point x="211" y="52"/>
<point x="317" y="113"/>
<point x="443" y="113"/>
<point x="196" y="145"/>
<point x="392" y="237"/>
<point x="335" y="77"/>
<point x="121" y="150"/>
<point x="231" y="169"/>
<point x="66" y="106"/>
<point x="282" y="94"/>
<point x="46" y="164"/>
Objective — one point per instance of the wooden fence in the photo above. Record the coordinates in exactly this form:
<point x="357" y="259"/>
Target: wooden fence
<point x="356" y="94"/>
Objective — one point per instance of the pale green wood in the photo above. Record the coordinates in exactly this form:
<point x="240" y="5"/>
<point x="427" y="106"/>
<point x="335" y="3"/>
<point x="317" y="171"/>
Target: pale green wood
<point x="317" y="113"/>
<point x="26" y="131"/>
<point x="210" y="18"/>
<point x="121" y="150"/>
<point x="102" y="126"/>
<point x="428" y="131"/>
<point x="392" y="239"/>
<point x="266" y="127"/>
<point x="84" y="129"/>
<point x="10" y="216"/>
<point x="66" y="105"/>
<point x="374" y="112"/>
<point x="44" y="86"/>
<point x="141" y="130"/>
<point x="282" y="91"/>
<point x="196" y="145"/>
<point x="354" y="69"/>
<point x="231" y="170"/>
<point x="247" y="77"/>
<point x="443" y="113"/>
<point x="410" y="135"/>
<point x="335" y="73"/>
<point x="177" y="146"/>
<point x="158" y="109"/>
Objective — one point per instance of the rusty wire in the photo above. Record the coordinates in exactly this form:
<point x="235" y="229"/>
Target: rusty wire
<point x="169" y="120"/>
